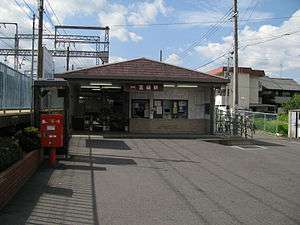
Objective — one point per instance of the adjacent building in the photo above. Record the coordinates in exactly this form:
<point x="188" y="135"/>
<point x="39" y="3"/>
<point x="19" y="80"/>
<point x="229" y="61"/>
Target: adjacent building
<point x="142" y="96"/>
<point x="256" y="91"/>
<point x="275" y="91"/>
<point x="248" y="87"/>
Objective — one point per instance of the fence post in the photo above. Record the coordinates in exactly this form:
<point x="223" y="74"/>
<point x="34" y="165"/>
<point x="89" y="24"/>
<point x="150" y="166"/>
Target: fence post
<point x="265" y="122"/>
<point x="276" y="124"/>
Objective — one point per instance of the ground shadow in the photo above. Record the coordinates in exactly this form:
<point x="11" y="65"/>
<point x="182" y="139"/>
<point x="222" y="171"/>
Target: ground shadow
<point x="59" y="191"/>
<point x="154" y="159"/>
<point x="264" y="143"/>
<point x="107" y="144"/>
<point x="102" y="160"/>
<point x="241" y="142"/>
<point x="19" y="209"/>
<point x="80" y="167"/>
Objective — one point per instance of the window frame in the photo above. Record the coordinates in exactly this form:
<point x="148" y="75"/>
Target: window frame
<point x="138" y="99"/>
<point x="172" y="104"/>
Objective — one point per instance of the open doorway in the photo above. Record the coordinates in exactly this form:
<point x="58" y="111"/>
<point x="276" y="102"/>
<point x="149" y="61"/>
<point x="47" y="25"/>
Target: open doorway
<point x="101" y="110"/>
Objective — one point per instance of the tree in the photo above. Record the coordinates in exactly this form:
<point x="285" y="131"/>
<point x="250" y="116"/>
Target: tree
<point x="293" y="103"/>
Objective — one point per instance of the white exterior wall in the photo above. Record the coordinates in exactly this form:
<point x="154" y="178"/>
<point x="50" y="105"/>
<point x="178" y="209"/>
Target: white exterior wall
<point x="248" y="90"/>
<point x="197" y="98"/>
<point x="254" y="90"/>
<point x="244" y="90"/>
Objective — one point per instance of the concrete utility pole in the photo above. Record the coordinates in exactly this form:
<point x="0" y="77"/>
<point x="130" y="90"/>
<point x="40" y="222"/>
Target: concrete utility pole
<point x="32" y="46"/>
<point x="40" y="40"/>
<point x="17" y="47"/>
<point x="160" y="56"/>
<point x="32" y="66"/>
<point x="235" y="95"/>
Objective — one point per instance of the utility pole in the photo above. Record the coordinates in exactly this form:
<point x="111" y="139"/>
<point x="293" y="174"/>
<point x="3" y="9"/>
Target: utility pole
<point x="17" y="47"/>
<point x="160" y="55"/>
<point x="32" y="46"/>
<point x="40" y="40"/>
<point x="235" y="96"/>
<point x="68" y="57"/>
<point x="32" y="66"/>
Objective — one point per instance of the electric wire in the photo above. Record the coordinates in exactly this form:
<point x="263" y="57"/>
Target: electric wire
<point x="212" y="29"/>
<point x="253" y="20"/>
<point x="247" y="45"/>
<point x="53" y="12"/>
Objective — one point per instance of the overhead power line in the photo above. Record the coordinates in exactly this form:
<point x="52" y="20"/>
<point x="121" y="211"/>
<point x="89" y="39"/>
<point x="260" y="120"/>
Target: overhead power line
<point x="261" y="19"/>
<point x="58" y="21"/>
<point x="248" y="45"/>
<point x="212" y="29"/>
<point x="28" y="15"/>
<point x="210" y="62"/>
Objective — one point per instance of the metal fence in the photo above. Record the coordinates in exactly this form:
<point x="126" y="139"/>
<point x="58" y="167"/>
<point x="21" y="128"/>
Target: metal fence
<point x="15" y="89"/>
<point x="268" y="122"/>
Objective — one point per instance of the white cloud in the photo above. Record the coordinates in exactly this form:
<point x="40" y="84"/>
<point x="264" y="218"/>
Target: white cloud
<point x="273" y="56"/>
<point x="137" y="14"/>
<point x="146" y="12"/>
<point x="69" y="8"/>
<point x="173" y="59"/>
<point x="109" y="14"/>
<point x="114" y="59"/>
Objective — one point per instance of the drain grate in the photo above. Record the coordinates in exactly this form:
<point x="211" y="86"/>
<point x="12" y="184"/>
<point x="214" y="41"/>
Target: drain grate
<point x="107" y="144"/>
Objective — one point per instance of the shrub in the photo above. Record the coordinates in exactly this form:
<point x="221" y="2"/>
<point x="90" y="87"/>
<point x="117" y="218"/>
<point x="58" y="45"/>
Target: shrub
<point x="270" y="125"/>
<point x="10" y="152"/>
<point x="29" y="139"/>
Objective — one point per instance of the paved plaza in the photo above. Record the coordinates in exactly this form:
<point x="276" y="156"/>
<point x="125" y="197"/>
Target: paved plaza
<point x="163" y="181"/>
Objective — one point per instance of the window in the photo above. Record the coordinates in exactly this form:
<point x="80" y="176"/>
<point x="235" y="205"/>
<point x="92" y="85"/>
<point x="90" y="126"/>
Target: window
<point x="140" y="108"/>
<point x="169" y="109"/>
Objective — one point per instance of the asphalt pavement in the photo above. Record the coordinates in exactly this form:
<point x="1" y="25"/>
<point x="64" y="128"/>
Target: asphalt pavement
<point x="164" y="182"/>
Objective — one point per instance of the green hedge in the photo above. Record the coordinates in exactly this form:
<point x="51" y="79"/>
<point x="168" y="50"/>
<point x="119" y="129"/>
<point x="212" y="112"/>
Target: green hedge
<point x="270" y="125"/>
<point x="29" y="139"/>
<point x="11" y="148"/>
<point x="10" y="152"/>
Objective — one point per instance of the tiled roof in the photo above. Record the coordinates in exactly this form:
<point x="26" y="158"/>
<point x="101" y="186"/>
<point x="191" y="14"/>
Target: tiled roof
<point x="279" y="84"/>
<point x="248" y="70"/>
<point x="141" y="69"/>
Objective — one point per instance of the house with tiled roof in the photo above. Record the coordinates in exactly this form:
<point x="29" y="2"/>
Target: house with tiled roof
<point x="256" y="91"/>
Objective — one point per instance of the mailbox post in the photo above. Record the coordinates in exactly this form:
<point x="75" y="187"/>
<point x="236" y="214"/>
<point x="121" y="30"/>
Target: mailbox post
<point x="52" y="134"/>
<point x="51" y="103"/>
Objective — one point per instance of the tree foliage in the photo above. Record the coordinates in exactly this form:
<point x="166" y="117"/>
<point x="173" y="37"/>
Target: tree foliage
<point x="293" y="103"/>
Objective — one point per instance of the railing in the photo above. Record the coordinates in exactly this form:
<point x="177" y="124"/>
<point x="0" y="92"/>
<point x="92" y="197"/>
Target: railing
<point x="8" y="112"/>
<point x="15" y="90"/>
<point x="268" y="122"/>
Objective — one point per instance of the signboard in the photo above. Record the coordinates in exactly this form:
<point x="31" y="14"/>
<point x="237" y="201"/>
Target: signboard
<point x="144" y="87"/>
<point x="48" y="64"/>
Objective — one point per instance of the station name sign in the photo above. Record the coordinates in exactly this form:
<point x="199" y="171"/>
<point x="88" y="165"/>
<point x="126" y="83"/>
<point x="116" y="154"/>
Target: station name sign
<point x="144" y="87"/>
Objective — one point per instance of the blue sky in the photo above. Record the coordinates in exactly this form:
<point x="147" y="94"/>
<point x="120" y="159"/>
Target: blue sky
<point x="182" y="44"/>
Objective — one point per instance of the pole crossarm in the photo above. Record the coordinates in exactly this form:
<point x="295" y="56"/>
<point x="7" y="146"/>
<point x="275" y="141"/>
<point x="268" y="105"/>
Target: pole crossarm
<point x="103" y="55"/>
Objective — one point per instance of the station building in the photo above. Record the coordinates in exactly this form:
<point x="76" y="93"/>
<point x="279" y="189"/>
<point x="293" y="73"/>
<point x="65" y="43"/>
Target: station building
<point x="141" y="96"/>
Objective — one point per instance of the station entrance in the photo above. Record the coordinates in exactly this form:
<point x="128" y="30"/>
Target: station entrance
<point x="100" y="108"/>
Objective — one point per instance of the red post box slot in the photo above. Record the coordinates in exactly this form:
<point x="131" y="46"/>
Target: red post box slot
<point x="52" y="130"/>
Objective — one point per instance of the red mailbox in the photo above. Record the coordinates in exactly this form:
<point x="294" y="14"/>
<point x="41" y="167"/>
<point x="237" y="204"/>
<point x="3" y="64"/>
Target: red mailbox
<point x="52" y="130"/>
